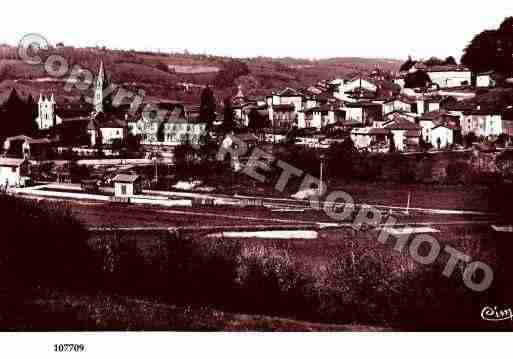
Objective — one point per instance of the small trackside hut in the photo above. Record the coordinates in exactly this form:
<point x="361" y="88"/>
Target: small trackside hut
<point x="127" y="185"/>
<point x="13" y="172"/>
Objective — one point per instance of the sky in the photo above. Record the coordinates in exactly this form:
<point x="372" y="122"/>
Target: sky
<point x="276" y="28"/>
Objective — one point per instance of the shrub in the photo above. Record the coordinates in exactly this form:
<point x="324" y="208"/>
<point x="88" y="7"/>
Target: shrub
<point x="121" y="264"/>
<point x="43" y="244"/>
<point x="203" y="271"/>
<point x="271" y="281"/>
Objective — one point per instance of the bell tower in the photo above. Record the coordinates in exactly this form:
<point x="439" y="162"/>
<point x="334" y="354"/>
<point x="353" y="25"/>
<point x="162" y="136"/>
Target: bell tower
<point x="46" y="112"/>
<point x="98" y="90"/>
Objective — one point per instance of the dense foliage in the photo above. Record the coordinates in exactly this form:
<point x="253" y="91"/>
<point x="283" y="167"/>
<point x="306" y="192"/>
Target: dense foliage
<point x="491" y="50"/>
<point x="42" y="244"/>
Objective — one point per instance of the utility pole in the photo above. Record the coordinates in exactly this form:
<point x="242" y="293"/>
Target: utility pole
<point x="156" y="168"/>
<point x="321" y="174"/>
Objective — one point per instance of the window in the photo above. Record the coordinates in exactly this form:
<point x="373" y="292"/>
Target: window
<point x="123" y="189"/>
<point x="13" y="169"/>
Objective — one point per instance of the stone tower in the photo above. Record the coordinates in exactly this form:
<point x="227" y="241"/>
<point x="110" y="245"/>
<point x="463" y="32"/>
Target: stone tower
<point x="46" y="111"/>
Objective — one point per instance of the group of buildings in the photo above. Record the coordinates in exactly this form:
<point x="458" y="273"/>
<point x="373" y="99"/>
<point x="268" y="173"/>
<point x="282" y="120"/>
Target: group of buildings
<point x="375" y="111"/>
<point x="372" y="110"/>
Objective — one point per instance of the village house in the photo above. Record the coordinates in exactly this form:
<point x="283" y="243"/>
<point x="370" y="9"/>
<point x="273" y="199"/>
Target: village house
<point x="371" y="138"/>
<point x="322" y="116"/>
<point x="405" y="133"/>
<point x="363" y="112"/>
<point x="285" y="108"/>
<point x="106" y="129"/>
<point x="445" y="76"/>
<point x="283" y="116"/>
<point x="127" y="185"/>
<point x="442" y="136"/>
<point x="184" y="130"/>
<point x="485" y="79"/>
<point x="431" y="120"/>
<point x="13" y="172"/>
<point x="396" y="104"/>
<point x="352" y="90"/>
<point x="484" y="122"/>
<point x="180" y="126"/>
<point x="27" y="147"/>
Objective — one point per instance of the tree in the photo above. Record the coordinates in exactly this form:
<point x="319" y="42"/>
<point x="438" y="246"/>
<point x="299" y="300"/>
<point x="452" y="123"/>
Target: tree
<point x="184" y="152"/>
<point x="208" y="107"/>
<point x="469" y="139"/>
<point x="228" y="116"/>
<point x="133" y="142"/>
<point x="417" y="79"/>
<point x="491" y="50"/>
<point x="502" y="140"/>
<point x="257" y="121"/>
<point x="32" y="113"/>
<point x="450" y="60"/>
<point x="23" y="112"/>
<point x="291" y="135"/>
<point x="342" y="158"/>
<point x="229" y="72"/>
<point x="207" y="146"/>
<point x="117" y="144"/>
<point x="434" y="61"/>
<point x="35" y="236"/>
<point x="391" y="141"/>
<point x="407" y="65"/>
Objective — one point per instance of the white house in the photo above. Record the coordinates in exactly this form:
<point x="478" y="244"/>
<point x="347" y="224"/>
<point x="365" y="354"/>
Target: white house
<point x="285" y="107"/>
<point x="350" y="86"/>
<point x="442" y="136"/>
<point x="485" y="79"/>
<point x="13" y="172"/>
<point x="450" y="76"/>
<point x="372" y="138"/>
<point x="434" y="119"/>
<point x="404" y="133"/>
<point x="127" y="185"/>
<point x="482" y="122"/>
<point x="105" y="130"/>
<point x="396" y="104"/>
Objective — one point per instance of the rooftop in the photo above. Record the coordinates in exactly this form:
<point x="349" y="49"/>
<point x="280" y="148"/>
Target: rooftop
<point x="11" y="162"/>
<point x="124" y="178"/>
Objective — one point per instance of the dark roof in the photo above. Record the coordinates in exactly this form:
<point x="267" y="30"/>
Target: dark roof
<point x="446" y="68"/>
<point x="247" y="137"/>
<point x="362" y="104"/>
<point x="124" y="178"/>
<point x="11" y="162"/>
<point x="412" y="133"/>
<point x="284" y="107"/>
<point x="446" y="125"/>
<point x="29" y="139"/>
<point x="437" y="116"/>
<point x="379" y="131"/>
<point x="401" y="124"/>
<point x="113" y="123"/>
<point x="290" y="92"/>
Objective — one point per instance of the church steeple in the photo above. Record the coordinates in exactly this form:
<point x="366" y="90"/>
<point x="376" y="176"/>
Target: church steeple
<point x="98" y="90"/>
<point x="239" y="92"/>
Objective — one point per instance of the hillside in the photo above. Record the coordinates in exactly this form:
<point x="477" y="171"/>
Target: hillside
<point x="160" y="74"/>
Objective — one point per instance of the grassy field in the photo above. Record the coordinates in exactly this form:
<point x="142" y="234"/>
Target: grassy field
<point x="187" y="280"/>
<point x="70" y="311"/>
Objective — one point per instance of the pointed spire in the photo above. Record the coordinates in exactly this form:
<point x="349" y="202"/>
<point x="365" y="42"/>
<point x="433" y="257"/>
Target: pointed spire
<point x="239" y="94"/>
<point x="52" y="99"/>
<point x="100" y="72"/>
<point x="40" y="98"/>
